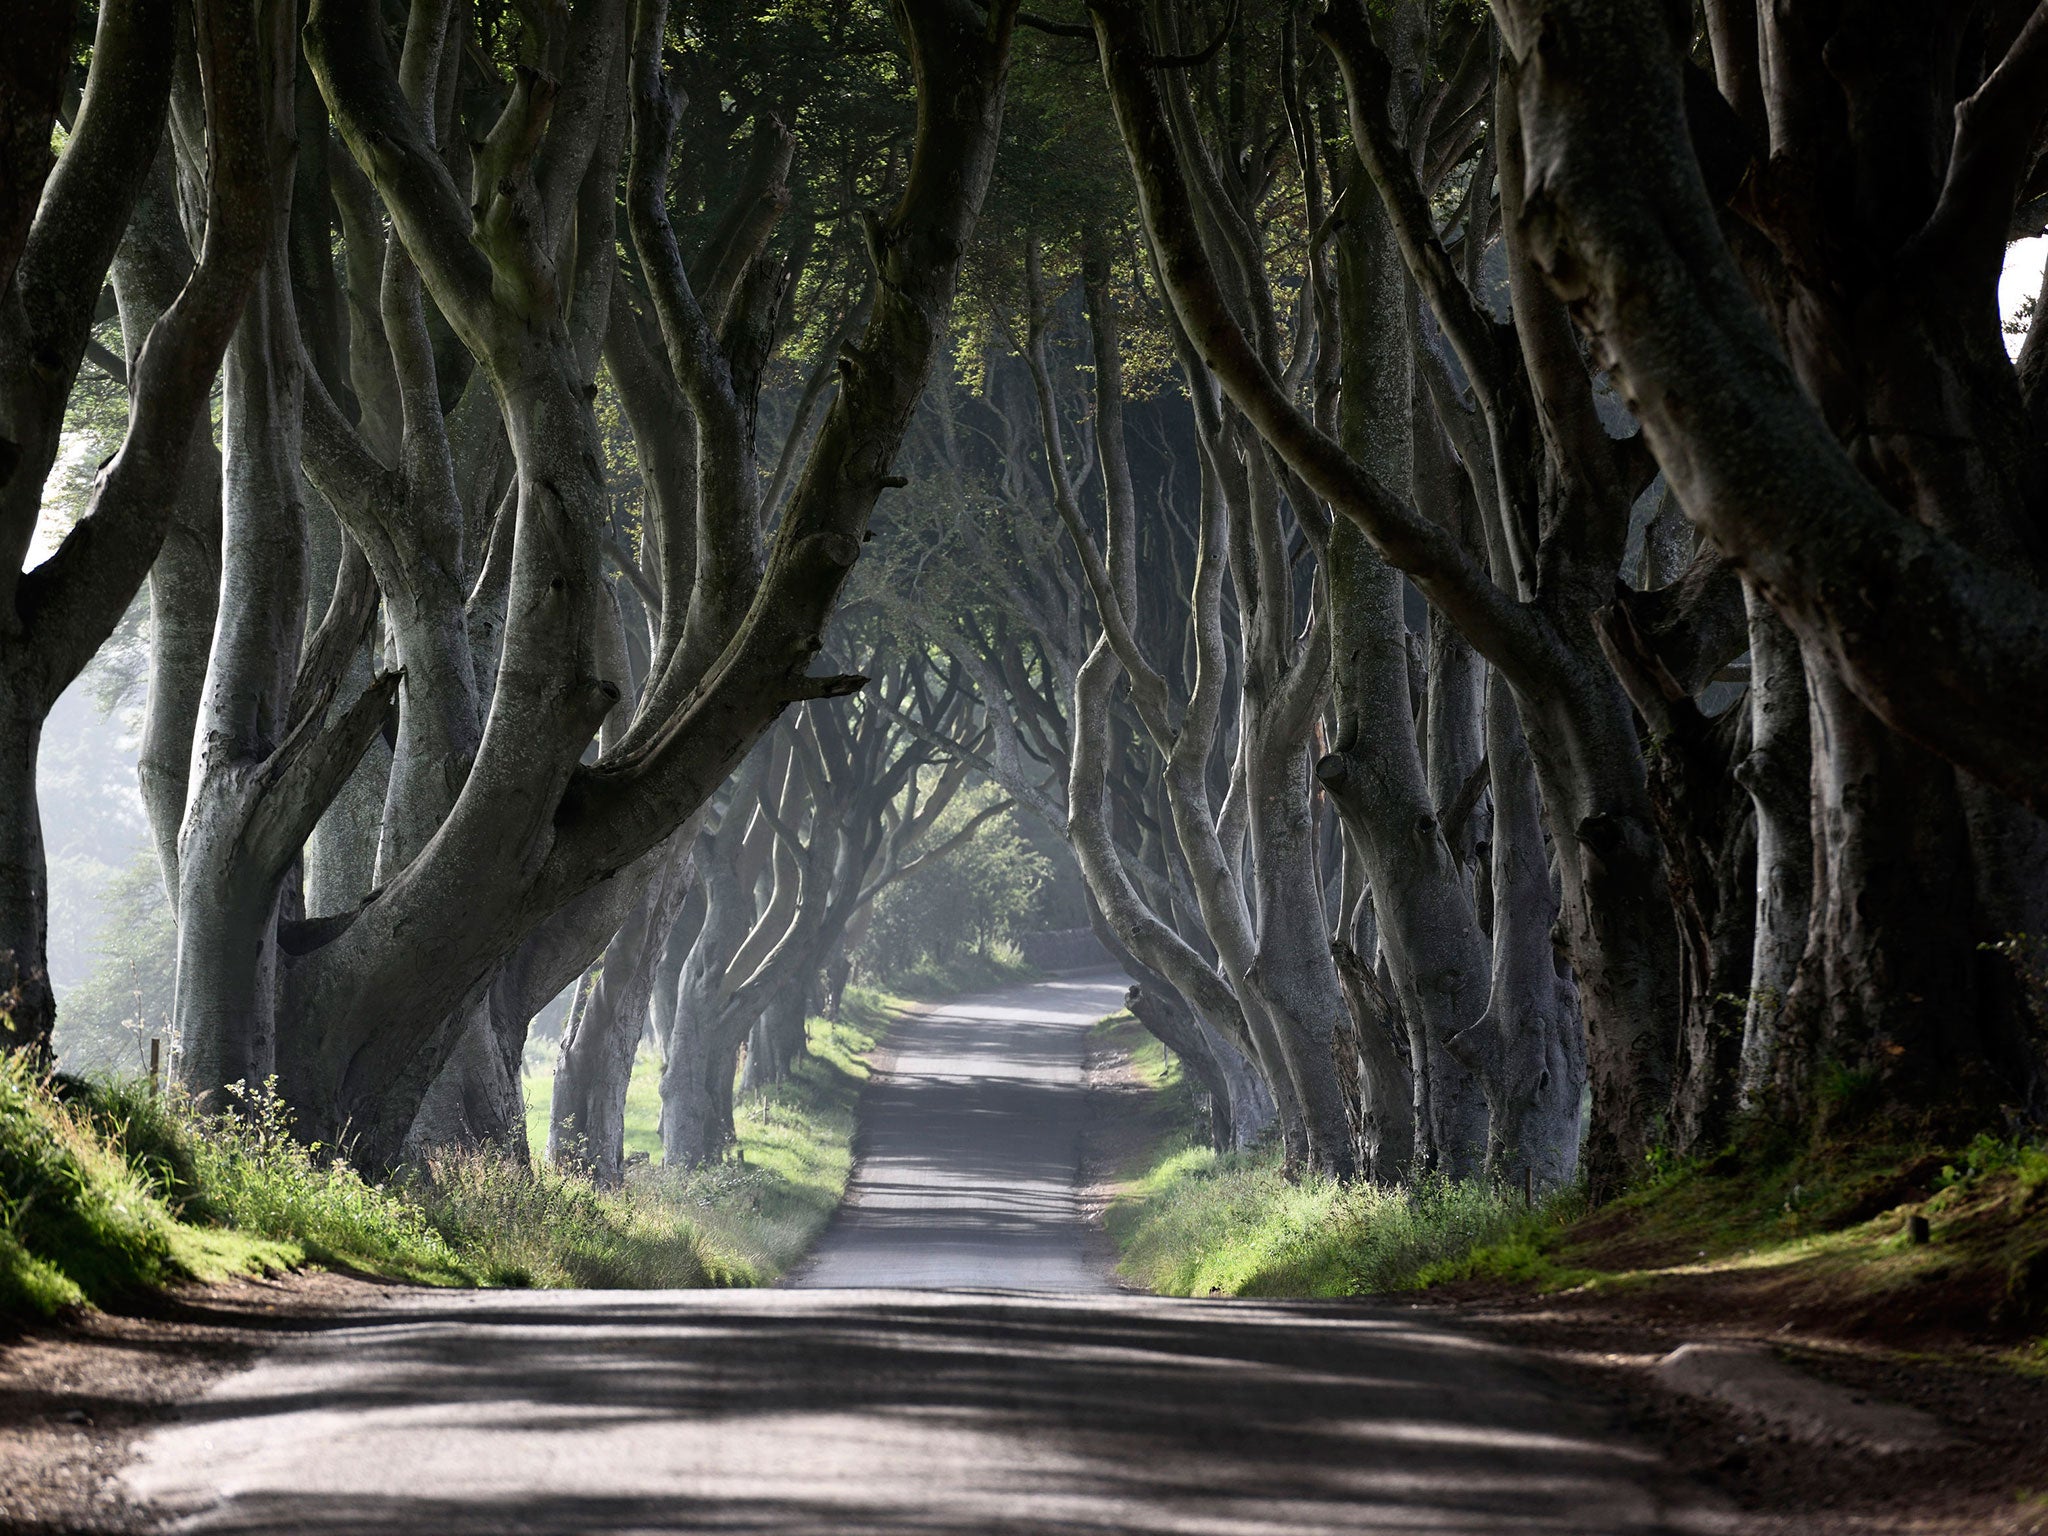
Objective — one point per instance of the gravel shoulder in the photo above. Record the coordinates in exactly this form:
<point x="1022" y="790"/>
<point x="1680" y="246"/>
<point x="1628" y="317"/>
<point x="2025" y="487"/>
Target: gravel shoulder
<point x="75" y="1397"/>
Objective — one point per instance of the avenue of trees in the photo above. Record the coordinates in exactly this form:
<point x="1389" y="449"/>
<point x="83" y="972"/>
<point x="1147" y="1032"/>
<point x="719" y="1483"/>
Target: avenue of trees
<point x="1503" y="549"/>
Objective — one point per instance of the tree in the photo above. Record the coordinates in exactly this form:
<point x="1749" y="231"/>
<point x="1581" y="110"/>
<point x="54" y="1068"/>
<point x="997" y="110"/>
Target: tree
<point x="1809" y="335"/>
<point x="57" y="252"/>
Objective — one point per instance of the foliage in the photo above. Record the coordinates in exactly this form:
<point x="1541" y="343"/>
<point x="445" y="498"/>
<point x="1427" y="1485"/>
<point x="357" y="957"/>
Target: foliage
<point x="975" y="896"/>
<point x="244" y="1170"/>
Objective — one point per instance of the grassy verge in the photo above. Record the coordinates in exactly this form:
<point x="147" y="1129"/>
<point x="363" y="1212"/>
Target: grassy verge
<point x="1189" y="1221"/>
<point x="1894" y="1240"/>
<point x="1206" y="1223"/>
<point x="761" y="1214"/>
<point x="106" y="1191"/>
<point x="758" y="1213"/>
<point x="87" y="1212"/>
<point x="1883" y="1238"/>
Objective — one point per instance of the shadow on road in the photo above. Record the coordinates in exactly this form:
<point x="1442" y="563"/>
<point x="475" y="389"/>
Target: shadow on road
<point x="871" y="1412"/>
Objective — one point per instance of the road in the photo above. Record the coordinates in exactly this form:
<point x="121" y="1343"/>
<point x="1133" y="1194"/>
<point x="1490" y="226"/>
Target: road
<point x="955" y="1359"/>
<point x="970" y="1151"/>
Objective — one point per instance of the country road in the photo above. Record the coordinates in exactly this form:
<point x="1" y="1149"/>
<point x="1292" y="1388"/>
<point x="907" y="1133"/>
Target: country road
<point x="955" y="1358"/>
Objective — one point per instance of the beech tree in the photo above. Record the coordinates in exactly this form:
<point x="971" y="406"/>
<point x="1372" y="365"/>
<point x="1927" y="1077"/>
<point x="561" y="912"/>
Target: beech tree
<point x="458" y="449"/>
<point x="1499" y="607"/>
<point x="1798" y="298"/>
<point x="62" y="228"/>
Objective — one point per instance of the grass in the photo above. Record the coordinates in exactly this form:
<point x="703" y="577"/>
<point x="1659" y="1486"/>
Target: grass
<point x="77" y="1223"/>
<point x="1820" y="1236"/>
<point x="517" y="1226"/>
<point x="1824" y="1236"/>
<point x="107" y="1190"/>
<point x="1190" y="1221"/>
<point x="760" y="1212"/>
<point x="1206" y="1223"/>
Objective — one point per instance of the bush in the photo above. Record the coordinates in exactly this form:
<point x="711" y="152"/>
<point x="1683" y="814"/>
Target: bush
<point x="972" y="898"/>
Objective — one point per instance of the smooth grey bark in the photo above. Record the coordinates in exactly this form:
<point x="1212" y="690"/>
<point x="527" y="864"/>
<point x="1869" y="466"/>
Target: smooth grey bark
<point x="587" y="1120"/>
<point x="1531" y="1039"/>
<point x="1851" y="433"/>
<point x="1567" y="484"/>
<point x="532" y="829"/>
<point x="53" y="618"/>
<point x="1240" y="1107"/>
<point x="268" y="755"/>
<point x="1259" y="1018"/>
<point x="341" y="855"/>
<point x="705" y="1030"/>
<point x="1776" y="773"/>
<point x="1374" y="772"/>
<point x="1628" y="229"/>
<point x="777" y="1042"/>
<point x="153" y="263"/>
<point x="226" y="992"/>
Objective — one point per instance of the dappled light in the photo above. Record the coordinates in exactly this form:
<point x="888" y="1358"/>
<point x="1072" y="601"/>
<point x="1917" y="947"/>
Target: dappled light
<point x="1232" y="766"/>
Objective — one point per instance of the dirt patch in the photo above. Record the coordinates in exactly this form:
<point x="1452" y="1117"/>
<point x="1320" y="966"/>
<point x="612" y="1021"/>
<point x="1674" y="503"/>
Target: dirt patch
<point x="74" y="1397"/>
<point x="1992" y="1482"/>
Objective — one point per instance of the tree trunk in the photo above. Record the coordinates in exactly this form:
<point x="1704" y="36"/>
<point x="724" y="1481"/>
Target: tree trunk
<point x="29" y="1006"/>
<point x="1240" y="1108"/>
<point x="1778" y="775"/>
<point x="594" y="1065"/>
<point x="1375" y="773"/>
<point x="1293" y="978"/>
<point x="226" y="997"/>
<point x="1886" y="1009"/>
<point x="777" y="1042"/>
<point x="1534" y="1043"/>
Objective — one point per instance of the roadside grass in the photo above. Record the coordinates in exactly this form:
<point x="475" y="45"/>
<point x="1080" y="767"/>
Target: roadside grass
<point x="1191" y="1221"/>
<point x="516" y="1226"/>
<point x="1823" y="1236"/>
<point x="762" y="1211"/>
<point x="82" y="1222"/>
<point x="1208" y="1223"/>
<point x="1820" y="1236"/>
<point x="77" y="1223"/>
<point x="759" y="1212"/>
<point x="107" y="1191"/>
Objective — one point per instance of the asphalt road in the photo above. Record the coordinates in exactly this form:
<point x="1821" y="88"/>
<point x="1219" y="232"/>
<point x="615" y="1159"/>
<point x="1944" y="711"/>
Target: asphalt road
<point x="1033" y="1399"/>
<point x="970" y="1151"/>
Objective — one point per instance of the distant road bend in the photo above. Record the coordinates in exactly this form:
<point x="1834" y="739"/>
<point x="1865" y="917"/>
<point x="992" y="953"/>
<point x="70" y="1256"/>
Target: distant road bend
<point x="954" y="1358"/>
